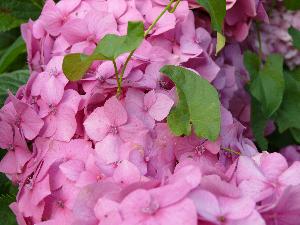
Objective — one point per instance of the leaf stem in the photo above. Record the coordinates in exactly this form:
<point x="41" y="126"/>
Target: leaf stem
<point x="117" y="77"/>
<point x="167" y="8"/>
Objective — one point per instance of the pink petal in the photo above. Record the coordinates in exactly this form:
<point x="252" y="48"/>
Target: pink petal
<point x="273" y="165"/>
<point x="181" y="213"/>
<point x="115" y="112"/>
<point x="75" y="30"/>
<point x="53" y="91"/>
<point x="66" y="124"/>
<point x="207" y="205"/>
<point x="97" y="125"/>
<point x="291" y="176"/>
<point x="126" y="173"/>
<point x="161" y="108"/>
<point x="72" y="168"/>
<point x="6" y="134"/>
<point x="108" y="149"/>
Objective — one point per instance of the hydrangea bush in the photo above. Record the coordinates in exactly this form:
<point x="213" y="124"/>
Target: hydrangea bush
<point x="137" y="112"/>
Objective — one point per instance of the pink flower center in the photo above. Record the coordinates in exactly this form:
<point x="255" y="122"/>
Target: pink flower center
<point x="60" y="204"/>
<point x="113" y="130"/>
<point x="222" y="219"/>
<point x="152" y="208"/>
<point x="53" y="72"/>
<point x="199" y="150"/>
<point x="53" y="109"/>
<point x="11" y="147"/>
<point x="18" y="121"/>
<point x="92" y="38"/>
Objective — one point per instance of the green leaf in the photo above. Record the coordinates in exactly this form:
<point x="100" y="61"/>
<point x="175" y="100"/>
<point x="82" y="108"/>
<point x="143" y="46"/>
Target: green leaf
<point x="217" y="11"/>
<point x="16" y="49"/>
<point x="20" y="9"/>
<point x="198" y="105"/>
<point x="12" y="81"/>
<point x="112" y="46"/>
<point x="8" y="22"/>
<point x="75" y="65"/>
<point x="296" y="134"/>
<point x="292" y="4"/>
<point x="295" y="34"/>
<point x="221" y="40"/>
<point x="268" y="87"/>
<point x="258" y="124"/>
<point x="287" y="115"/>
<point x="252" y="64"/>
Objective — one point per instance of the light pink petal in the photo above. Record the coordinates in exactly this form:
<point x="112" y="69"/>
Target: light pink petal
<point x="253" y="218"/>
<point x="31" y="123"/>
<point x="41" y="190"/>
<point x="247" y="169"/>
<point x="108" y="149"/>
<point x="161" y="108"/>
<point x="101" y="23"/>
<point x="115" y="112"/>
<point x="97" y="125"/>
<point x="75" y="30"/>
<point x="291" y="176"/>
<point x="212" y="147"/>
<point x="207" y="205"/>
<point x="38" y="84"/>
<point x="181" y="213"/>
<point x="236" y="208"/>
<point x="52" y="18"/>
<point x="126" y="173"/>
<point x="71" y="99"/>
<point x="255" y="189"/>
<point x="117" y="7"/>
<point x="66" y="124"/>
<point x="133" y="204"/>
<point x="104" y="206"/>
<point x="72" y="168"/>
<point x="53" y="91"/>
<point x="67" y="6"/>
<point x="273" y="165"/>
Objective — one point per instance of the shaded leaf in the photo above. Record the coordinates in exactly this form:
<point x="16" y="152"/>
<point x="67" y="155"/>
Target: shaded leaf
<point x="198" y="105"/>
<point x="16" y="49"/>
<point x="287" y="115"/>
<point x="12" y="81"/>
<point x="295" y="34"/>
<point x="112" y="46"/>
<point x="296" y="134"/>
<point x="292" y="4"/>
<point x="217" y="11"/>
<point x="221" y="41"/>
<point x="268" y="86"/>
<point x="8" y="22"/>
<point x="252" y="64"/>
<point x="75" y="65"/>
<point x="258" y="124"/>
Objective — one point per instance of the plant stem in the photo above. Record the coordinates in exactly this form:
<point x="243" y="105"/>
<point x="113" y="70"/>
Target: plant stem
<point x="231" y="151"/>
<point x="167" y="8"/>
<point x="158" y="18"/>
<point x="117" y="77"/>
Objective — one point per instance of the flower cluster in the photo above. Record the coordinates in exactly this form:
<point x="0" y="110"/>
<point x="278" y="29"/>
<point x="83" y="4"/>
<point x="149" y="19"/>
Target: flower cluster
<point x="80" y="155"/>
<point x="280" y="22"/>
